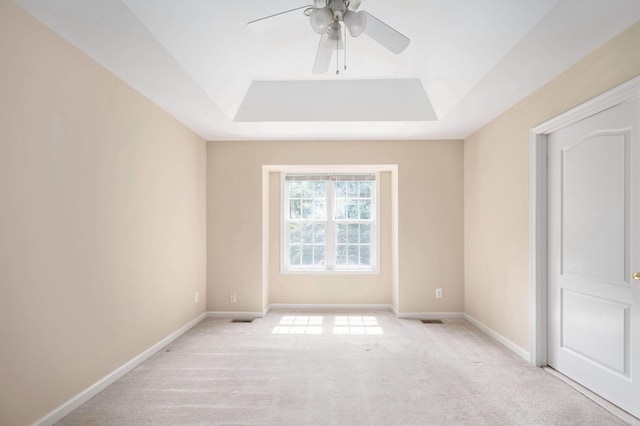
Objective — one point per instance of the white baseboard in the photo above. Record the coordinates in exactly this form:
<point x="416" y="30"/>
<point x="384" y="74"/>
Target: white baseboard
<point x="328" y="307"/>
<point x="75" y="402"/>
<point x="499" y="338"/>
<point x="235" y="315"/>
<point x="429" y="315"/>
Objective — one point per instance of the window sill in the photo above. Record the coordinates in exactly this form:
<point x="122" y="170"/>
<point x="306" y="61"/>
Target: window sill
<point x="373" y="271"/>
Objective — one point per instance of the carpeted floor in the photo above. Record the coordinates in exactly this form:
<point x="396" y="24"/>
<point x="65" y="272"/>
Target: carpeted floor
<point x="338" y="369"/>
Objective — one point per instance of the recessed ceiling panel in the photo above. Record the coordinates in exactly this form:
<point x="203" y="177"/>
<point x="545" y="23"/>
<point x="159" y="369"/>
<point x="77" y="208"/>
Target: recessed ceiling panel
<point x="339" y="100"/>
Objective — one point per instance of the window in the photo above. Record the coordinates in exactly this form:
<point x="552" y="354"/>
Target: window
<point x="329" y="222"/>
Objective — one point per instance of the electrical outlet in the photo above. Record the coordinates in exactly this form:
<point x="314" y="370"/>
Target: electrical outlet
<point x="438" y="293"/>
<point x="196" y="297"/>
<point x="233" y="298"/>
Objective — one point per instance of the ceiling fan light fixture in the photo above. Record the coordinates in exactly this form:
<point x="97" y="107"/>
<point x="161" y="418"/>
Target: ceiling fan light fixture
<point x="320" y="19"/>
<point x="356" y="22"/>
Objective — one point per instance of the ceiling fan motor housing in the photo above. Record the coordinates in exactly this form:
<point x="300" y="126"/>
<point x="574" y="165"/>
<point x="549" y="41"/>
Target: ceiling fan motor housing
<point x="338" y="7"/>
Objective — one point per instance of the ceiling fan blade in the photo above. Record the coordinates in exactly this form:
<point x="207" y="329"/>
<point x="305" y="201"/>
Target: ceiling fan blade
<point x="323" y="56"/>
<point x="278" y="14"/>
<point x="385" y="35"/>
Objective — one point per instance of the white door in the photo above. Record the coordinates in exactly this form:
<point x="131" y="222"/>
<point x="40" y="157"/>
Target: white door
<point x="593" y="252"/>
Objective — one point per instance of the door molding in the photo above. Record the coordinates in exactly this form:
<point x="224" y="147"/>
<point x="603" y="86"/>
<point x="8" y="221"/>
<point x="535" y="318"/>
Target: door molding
<point x="538" y="205"/>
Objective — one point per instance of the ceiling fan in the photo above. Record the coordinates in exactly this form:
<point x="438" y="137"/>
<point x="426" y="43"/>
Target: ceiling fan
<point x="332" y="18"/>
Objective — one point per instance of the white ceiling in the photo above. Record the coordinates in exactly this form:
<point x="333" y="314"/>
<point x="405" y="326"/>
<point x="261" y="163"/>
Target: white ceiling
<point x="197" y="59"/>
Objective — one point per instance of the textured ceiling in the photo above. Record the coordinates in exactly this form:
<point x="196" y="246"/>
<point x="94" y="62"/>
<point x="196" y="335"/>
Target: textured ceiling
<point x="198" y="60"/>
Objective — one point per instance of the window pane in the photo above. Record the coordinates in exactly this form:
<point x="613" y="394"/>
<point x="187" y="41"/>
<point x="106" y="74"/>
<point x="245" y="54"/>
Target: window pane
<point x="294" y="255"/>
<point x="295" y="190"/>
<point x="294" y="233"/>
<point x="365" y="189"/>
<point x="352" y="189"/>
<point x="319" y="210"/>
<point x="307" y="189"/>
<point x="352" y="210"/>
<point x="341" y="209"/>
<point x="365" y="234"/>
<point x="307" y="255"/>
<point x="295" y="209"/>
<point x="341" y="189"/>
<point x="318" y="234"/>
<point x="318" y="255"/>
<point x="353" y="233"/>
<point x="341" y="255"/>
<point x="307" y="233"/>
<point x="365" y="255"/>
<point x="307" y="209"/>
<point x="365" y="209"/>
<point x="319" y="189"/>
<point x="341" y="238"/>
<point x="352" y="255"/>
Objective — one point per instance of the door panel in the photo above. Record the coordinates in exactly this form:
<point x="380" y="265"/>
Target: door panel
<point x="593" y="248"/>
<point x="594" y="195"/>
<point x="590" y="323"/>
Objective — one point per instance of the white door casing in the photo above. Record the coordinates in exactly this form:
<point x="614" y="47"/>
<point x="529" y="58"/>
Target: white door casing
<point x="538" y="205"/>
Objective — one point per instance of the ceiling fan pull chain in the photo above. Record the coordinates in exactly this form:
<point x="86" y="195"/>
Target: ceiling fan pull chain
<point x="345" y="47"/>
<point x="338" y="55"/>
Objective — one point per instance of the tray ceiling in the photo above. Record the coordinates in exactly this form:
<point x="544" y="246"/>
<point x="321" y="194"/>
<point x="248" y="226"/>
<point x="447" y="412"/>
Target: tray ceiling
<point x="468" y="61"/>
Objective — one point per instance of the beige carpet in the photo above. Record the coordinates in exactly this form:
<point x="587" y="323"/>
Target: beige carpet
<point x="338" y="369"/>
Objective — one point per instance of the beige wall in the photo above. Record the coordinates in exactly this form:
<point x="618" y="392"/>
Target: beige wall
<point x="430" y="222"/>
<point x="102" y="221"/>
<point x="496" y="187"/>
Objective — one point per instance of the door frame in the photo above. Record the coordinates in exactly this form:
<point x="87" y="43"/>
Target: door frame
<point x="538" y="227"/>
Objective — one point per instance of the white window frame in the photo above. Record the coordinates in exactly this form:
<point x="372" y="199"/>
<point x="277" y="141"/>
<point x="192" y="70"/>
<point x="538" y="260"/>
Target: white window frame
<point x="330" y="231"/>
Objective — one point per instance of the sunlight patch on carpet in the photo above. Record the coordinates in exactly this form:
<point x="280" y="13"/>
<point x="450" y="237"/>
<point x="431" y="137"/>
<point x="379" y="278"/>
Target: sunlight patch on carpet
<point x="342" y="325"/>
